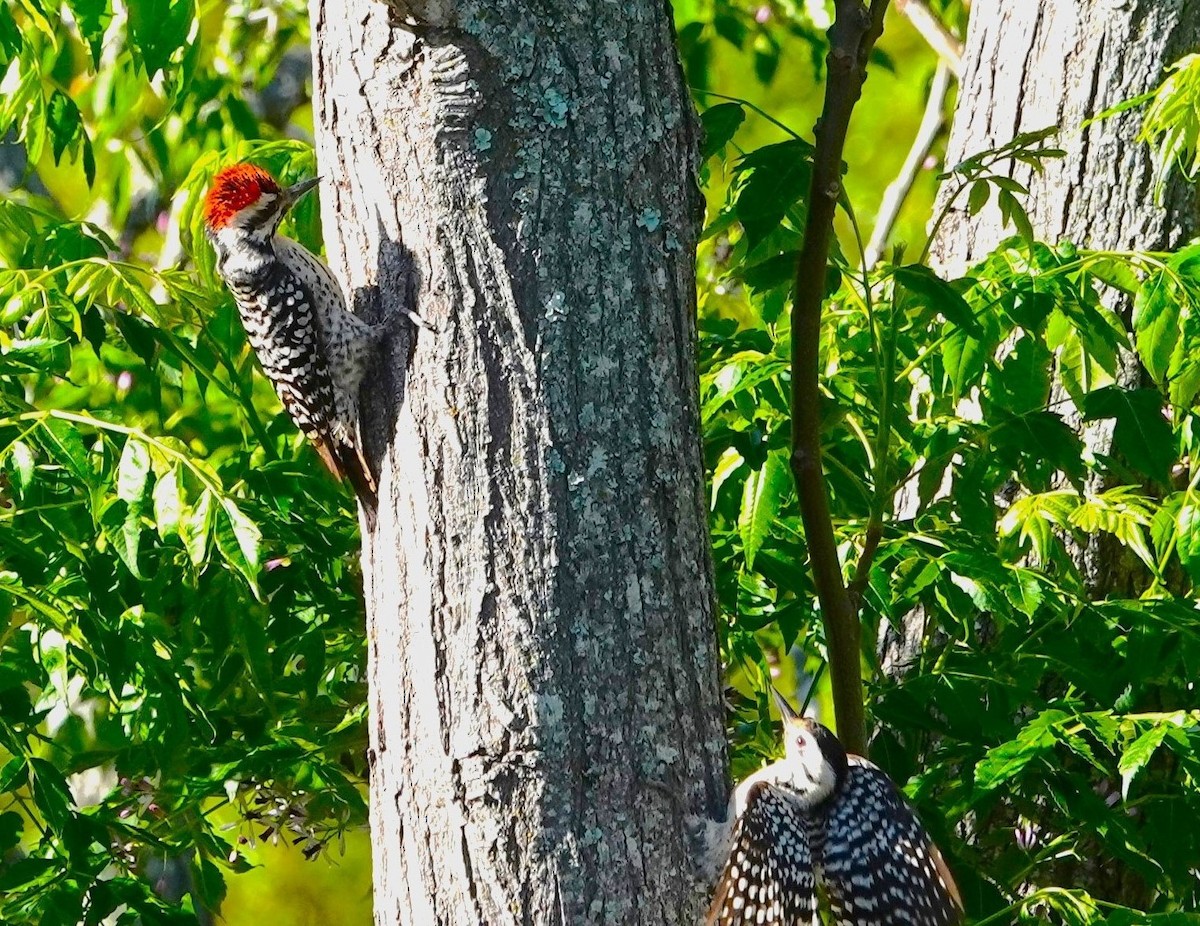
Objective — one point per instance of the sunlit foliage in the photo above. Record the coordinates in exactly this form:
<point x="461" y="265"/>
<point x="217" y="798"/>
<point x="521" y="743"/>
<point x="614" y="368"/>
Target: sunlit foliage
<point x="181" y="649"/>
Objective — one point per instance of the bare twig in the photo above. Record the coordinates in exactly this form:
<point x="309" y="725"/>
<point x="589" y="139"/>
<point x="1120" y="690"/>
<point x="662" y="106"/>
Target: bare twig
<point x="851" y="38"/>
<point x="898" y="190"/>
<point x="937" y="36"/>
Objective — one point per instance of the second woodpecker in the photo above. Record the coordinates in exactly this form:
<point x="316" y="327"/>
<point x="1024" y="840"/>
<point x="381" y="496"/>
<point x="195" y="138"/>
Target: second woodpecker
<point x="822" y="818"/>
<point x="312" y="348"/>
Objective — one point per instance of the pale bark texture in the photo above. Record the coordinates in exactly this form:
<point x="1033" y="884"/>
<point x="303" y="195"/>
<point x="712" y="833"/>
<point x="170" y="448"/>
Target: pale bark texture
<point x="544" y="686"/>
<point x="1028" y="66"/>
<point x="1059" y="62"/>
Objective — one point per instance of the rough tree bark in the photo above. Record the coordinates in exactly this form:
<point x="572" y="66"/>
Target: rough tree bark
<point x="1031" y="65"/>
<point x="1058" y="62"/>
<point x="545" y="697"/>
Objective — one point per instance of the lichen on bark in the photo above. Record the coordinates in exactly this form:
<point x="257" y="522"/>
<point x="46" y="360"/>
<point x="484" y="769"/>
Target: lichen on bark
<point x="544" y="682"/>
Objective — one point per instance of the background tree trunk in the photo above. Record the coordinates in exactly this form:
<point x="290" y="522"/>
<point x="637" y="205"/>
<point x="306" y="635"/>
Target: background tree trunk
<point x="1059" y="62"/>
<point x="1029" y="66"/>
<point x="544" y="678"/>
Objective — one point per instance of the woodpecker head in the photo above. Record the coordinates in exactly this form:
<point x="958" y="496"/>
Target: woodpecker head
<point x="815" y="759"/>
<point x="245" y="201"/>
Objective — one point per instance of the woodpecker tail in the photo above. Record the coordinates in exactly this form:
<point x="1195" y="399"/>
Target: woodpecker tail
<point x="354" y="465"/>
<point x="346" y="462"/>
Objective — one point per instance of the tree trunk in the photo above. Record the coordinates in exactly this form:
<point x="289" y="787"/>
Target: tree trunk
<point x="1028" y="66"/>
<point x="1058" y="62"/>
<point x="544" y="685"/>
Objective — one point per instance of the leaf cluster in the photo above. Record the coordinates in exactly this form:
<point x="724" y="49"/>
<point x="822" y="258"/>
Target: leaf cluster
<point x="180" y="605"/>
<point x="1047" y="733"/>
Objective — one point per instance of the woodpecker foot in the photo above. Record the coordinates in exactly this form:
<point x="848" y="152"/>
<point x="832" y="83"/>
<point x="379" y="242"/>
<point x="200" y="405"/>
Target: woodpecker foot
<point x="416" y="319"/>
<point x="390" y="327"/>
<point x="709" y="842"/>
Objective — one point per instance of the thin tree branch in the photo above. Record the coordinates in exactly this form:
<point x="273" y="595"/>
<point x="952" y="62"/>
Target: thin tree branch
<point x="851" y="37"/>
<point x="897" y="192"/>
<point x="937" y="36"/>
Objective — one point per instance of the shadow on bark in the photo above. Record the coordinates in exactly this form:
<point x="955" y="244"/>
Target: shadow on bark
<point x="382" y="391"/>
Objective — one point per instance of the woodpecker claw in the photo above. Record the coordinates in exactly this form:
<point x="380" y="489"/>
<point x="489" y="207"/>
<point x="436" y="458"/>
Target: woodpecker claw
<point x="392" y="327"/>
<point x="708" y="841"/>
<point x="416" y="318"/>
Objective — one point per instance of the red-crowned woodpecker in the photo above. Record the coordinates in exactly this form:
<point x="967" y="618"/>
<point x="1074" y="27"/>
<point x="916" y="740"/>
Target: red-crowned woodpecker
<point x="313" y="350"/>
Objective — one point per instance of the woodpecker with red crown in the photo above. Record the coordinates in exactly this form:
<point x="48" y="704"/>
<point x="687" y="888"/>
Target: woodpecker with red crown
<point x="821" y="817"/>
<point x="313" y="350"/>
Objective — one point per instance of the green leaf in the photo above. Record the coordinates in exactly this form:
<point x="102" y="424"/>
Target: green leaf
<point x="20" y="465"/>
<point x="1012" y="211"/>
<point x="1156" y="313"/>
<point x="10" y="37"/>
<point x="11" y="824"/>
<point x="1142" y="435"/>
<point x="64" y="122"/>
<point x="238" y="540"/>
<point x="122" y="526"/>
<point x="1138" y="754"/>
<point x="1116" y="273"/>
<point x="168" y="505"/>
<point x="730" y="461"/>
<point x="158" y="29"/>
<point x="13" y="774"/>
<point x="91" y="18"/>
<point x="133" y="472"/>
<point x="36" y="12"/>
<point x="194" y="529"/>
<point x="963" y="357"/>
<point x="28" y="871"/>
<point x="938" y="295"/>
<point x="209" y="883"/>
<point x="63" y="442"/>
<point x="1188" y="544"/>
<point x="1008" y="760"/>
<point x="981" y="191"/>
<point x="50" y="794"/>
<point x="720" y="123"/>
<point x="762" y="499"/>
<point x="778" y="180"/>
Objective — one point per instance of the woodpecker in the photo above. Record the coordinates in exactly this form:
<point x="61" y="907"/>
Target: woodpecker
<point x="823" y="818"/>
<point x="313" y="350"/>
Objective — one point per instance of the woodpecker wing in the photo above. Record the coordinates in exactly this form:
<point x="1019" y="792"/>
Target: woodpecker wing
<point x="281" y="325"/>
<point x="768" y="879"/>
<point x="877" y="863"/>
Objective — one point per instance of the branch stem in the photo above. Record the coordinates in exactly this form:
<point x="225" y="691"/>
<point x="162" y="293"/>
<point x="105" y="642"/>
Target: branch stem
<point x="897" y="192"/>
<point x="851" y="37"/>
<point x="935" y="34"/>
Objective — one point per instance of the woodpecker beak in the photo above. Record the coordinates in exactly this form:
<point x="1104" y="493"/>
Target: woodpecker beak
<point x="786" y="711"/>
<point x="293" y="193"/>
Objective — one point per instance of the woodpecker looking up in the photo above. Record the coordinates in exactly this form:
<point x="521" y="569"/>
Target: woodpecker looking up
<point x="822" y="817"/>
<point x="313" y="350"/>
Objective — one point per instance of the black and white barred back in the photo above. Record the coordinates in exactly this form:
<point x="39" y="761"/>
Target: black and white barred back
<point x="281" y="325"/>
<point x="769" y="877"/>
<point x="876" y="861"/>
<point x="313" y="351"/>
